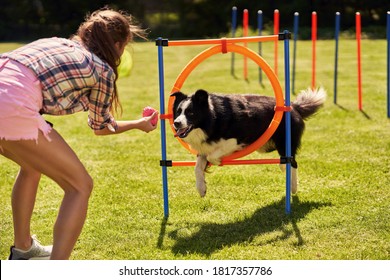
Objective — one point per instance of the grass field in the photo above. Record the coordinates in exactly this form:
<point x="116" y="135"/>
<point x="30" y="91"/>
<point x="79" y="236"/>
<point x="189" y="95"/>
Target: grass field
<point x="342" y="208"/>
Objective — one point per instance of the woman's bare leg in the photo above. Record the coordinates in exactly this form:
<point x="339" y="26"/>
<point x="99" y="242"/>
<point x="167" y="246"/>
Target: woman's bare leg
<point x="23" y="200"/>
<point x="57" y="160"/>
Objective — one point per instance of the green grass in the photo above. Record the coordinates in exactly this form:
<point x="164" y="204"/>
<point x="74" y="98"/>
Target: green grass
<point x="342" y="208"/>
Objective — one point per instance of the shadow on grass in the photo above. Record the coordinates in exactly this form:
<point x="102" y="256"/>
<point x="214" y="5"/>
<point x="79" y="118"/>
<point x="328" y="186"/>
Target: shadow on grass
<point x="365" y="115"/>
<point x="163" y="229"/>
<point x="362" y="111"/>
<point x="342" y="108"/>
<point x="215" y="236"/>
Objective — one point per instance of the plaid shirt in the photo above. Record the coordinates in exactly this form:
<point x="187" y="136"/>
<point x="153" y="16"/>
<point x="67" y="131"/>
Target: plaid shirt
<point x="73" y="79"/>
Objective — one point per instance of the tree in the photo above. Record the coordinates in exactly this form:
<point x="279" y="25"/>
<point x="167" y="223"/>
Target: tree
<point x="31" y="19"/>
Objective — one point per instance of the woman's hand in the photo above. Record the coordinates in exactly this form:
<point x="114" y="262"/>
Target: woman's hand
<point x="147" y="125"/>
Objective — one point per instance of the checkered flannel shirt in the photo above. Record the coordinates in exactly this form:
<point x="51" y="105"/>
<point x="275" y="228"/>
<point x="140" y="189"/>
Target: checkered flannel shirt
<point x="73" y="79"/>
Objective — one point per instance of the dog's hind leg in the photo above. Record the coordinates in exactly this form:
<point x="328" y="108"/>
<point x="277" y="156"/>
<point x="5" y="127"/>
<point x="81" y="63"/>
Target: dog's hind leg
<point x="200" y="167"/>
<point x="294" y="180"/>
<point x="294" y="175"/>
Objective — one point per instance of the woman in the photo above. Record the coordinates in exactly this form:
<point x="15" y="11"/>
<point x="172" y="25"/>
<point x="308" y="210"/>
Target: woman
<point x="58" y="76"/>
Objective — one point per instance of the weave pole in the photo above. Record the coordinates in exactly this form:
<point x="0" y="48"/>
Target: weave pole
<point x="388" y="64"/>
<point x="296" y="23"/>
<point x="260" y="29"/>
<point x="313" y="39"/>
<point x="276" y="32"/>
<point x="359" y="59"/>
<point x="234" y="28"/>
<point x="336" y="57"/>
<point x="245" y="31"/>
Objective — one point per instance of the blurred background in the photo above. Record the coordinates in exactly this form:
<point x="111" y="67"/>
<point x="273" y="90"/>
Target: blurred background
<point x="25" y="20"/>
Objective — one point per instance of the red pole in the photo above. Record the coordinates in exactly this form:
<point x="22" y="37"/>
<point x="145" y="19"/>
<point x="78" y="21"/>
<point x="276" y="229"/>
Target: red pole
<point x="276" y="32"/>
<point x="358" y="39"/>
<point x="245" y="30"/>
<point x="313" y="39"/>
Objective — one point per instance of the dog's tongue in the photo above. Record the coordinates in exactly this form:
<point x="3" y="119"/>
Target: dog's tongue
<point x="183" y="132"/>
<point x="180" y="132"/>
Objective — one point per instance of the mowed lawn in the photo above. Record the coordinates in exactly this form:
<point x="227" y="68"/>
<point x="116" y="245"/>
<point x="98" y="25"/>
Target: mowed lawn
<point x="341" y="210"/>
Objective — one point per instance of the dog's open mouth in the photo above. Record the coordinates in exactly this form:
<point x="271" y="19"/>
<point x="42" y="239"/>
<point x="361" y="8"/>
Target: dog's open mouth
<point x="183" y="132"/>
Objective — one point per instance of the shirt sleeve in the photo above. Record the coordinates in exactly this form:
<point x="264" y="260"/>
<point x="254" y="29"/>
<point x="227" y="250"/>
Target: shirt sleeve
<point x="100" y="102"/>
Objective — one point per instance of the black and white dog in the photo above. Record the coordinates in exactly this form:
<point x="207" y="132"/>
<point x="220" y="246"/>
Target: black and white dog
<point x="217" y="125"/>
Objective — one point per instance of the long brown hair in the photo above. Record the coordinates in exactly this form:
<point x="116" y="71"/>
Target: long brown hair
<point x="101" y="30"/>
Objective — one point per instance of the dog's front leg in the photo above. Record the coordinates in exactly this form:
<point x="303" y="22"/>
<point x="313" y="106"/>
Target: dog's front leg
<point x="201" y="163"/>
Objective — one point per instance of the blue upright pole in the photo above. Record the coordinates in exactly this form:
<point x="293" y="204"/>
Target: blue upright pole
<point x="260" y="28"/>
<point x="296" y="24"/>
<point x="159" y="43"/>
<point x="288" y="120"/>
<point x="234" y="27"/>
<point x="388" y="64"/>
<point x="234" y="21"/>
<point x="336" y="57"/>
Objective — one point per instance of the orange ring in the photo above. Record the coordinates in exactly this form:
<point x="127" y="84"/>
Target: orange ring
<point x="267" y="70"/>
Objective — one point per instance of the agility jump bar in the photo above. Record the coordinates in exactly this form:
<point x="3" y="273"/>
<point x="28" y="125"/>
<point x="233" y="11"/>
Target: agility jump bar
<point x="224" y="162"/>
<point x="251" y="39"/>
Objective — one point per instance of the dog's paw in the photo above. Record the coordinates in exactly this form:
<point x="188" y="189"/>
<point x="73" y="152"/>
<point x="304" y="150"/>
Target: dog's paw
<point x="202" y="188"/>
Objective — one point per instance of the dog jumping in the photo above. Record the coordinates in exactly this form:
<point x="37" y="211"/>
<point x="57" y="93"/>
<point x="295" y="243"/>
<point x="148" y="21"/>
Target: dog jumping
<point x="217" y="125"/>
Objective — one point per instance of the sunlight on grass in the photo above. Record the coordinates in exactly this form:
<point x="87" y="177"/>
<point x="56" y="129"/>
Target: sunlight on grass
<point x="342" y="208"/>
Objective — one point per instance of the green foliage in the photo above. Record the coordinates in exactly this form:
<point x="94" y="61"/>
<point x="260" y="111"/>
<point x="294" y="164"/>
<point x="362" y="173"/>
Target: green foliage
<point x="340" y="212"/>
<point x="26" y="20"/>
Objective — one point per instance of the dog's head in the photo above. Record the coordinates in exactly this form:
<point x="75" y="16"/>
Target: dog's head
<point x="189" y="112"/>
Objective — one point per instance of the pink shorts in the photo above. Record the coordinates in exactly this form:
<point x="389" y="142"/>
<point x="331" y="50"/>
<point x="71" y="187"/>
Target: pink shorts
<point x="20" y="102"/>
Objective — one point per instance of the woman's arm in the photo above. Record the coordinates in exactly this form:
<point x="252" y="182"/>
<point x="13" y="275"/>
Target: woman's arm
<point x="143" y="124"/>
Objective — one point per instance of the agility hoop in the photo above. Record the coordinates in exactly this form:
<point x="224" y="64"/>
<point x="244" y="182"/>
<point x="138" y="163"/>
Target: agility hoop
<point x="224" y="48"/>
<point x="225" y="45"/>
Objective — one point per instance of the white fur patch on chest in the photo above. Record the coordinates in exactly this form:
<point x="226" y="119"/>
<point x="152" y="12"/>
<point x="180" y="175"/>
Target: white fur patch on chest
<point x="197" y="140"/>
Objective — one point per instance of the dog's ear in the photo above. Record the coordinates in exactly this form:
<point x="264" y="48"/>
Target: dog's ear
<point x="200" y="96"/>
<point x="179" y="97"/>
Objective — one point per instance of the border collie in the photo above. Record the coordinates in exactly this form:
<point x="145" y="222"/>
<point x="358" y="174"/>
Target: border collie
<point x="217" y="125"/>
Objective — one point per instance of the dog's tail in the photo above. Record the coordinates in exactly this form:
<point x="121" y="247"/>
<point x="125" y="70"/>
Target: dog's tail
<point x="309" y="101"/>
